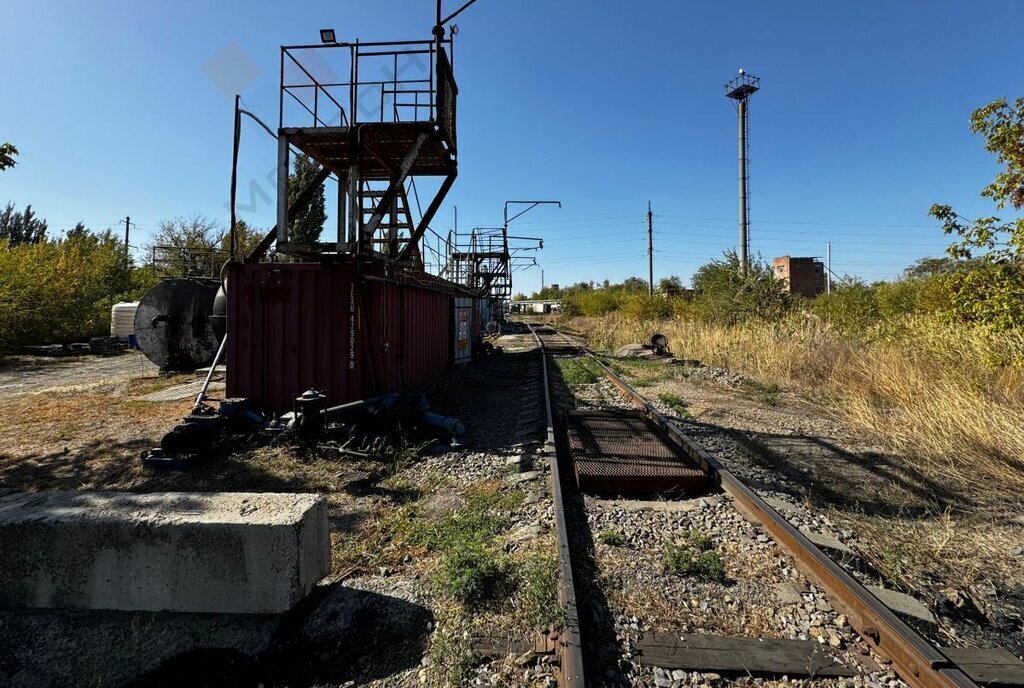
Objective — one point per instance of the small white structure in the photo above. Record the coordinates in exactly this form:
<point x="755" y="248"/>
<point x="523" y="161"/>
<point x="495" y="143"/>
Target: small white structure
<point x="122" y="320"/>
<point x="536" y="307"/>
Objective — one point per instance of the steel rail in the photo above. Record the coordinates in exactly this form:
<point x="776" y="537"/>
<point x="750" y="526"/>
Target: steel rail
<point x="571" y="647"/>
<point x="914" y="659"/>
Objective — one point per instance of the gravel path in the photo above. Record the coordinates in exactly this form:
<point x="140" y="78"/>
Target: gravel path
<point x="21" y="374"/>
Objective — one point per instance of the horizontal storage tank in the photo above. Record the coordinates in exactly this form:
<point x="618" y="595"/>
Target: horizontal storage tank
<point x="173" y="324"/>
<point x="122" y="321"/>
<point x="299" y="326"/>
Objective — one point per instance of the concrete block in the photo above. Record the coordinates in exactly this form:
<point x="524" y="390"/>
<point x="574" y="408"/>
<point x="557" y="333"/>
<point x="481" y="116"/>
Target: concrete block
<point x="249" y="553"/>
<point x="829" y="542"/>
<point x="902" y="604"/>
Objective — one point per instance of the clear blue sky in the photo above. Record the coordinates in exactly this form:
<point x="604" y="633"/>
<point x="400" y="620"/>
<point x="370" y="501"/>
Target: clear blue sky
<point x="124" y="108"/>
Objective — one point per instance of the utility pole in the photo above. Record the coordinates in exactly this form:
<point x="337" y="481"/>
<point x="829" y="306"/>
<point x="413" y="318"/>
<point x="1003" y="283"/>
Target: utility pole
<point x="650" y="251"/>
<point x="828" y="267"/>
<point x="542" y="280"/>
<point x="127" y="254"/>
<point x="740" y="89"/>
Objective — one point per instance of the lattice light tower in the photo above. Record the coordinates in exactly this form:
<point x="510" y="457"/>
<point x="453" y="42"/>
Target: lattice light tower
<point x="740" y="89"/>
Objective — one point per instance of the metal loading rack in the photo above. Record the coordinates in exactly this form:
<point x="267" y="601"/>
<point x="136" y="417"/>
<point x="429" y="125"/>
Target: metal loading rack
<point x="618" y="451"/>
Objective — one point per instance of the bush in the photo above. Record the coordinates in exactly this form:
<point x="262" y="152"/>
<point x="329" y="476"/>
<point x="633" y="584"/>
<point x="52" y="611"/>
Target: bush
<point x="60" y="291"/>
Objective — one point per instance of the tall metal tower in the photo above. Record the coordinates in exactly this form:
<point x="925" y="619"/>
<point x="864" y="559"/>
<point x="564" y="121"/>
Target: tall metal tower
<point x="740" y="89"/>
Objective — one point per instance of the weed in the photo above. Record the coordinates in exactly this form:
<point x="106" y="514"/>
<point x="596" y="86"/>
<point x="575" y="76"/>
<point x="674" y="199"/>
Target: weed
<point x="676" y="403"/>
<point x="578" y="371"/>
<point x="451" y="654"/>
<point x="485" y="515"/>
<point x="474" y="575"/>
<point x="765" y="392"/>
<point x="680" y="560"/>
<point x="614" y="538"/>
<point x="700" y="541"/>
<point x="537" y="580"/>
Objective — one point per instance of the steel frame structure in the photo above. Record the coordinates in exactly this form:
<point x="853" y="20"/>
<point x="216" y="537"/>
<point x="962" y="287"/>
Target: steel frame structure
<point x="373" y="135"/>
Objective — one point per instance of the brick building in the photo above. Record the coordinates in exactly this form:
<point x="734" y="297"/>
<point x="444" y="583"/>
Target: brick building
<point x="803" y="276"/>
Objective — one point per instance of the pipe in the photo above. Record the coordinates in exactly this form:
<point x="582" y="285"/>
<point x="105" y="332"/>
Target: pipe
<point x="209" y="375"/>
<point x="364" y="405"/>
<point x="451" y="425"/>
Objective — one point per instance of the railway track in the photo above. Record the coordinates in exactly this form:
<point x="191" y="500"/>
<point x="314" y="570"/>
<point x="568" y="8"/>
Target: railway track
<point x="913" y="659"/>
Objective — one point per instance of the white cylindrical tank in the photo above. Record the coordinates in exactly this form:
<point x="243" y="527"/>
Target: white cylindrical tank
<point x="122" y="320"/>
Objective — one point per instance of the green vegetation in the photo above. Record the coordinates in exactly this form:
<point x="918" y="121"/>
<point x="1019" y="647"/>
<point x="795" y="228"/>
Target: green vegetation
<point x="578" y="371"/>
<point x="7" y="154"/>
<point x="614" y="538"/>
<point x="309" y="220"/>
<point x="694" y="559"/>
<point x="537" y="595"/>
<point x="700" y="541"/>
<point x="474" y="575"/>
<point x="61" y="290"/>
<point x="930" y="364"/>
<point x="57" y="290"/>
<point x="765" y="392"/>
<point x="675" y="402"/>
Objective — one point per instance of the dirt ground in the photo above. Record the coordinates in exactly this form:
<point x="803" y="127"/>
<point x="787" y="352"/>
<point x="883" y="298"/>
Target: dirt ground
<point x="83" y="425"/>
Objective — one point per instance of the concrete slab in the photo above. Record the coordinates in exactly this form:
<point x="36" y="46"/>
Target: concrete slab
<point x="186" y="390"/>
<point x="250" y="553"/>
<point x="782" y="505"/>
<point x="829" y="542"/>
<point x="902" y="604"/>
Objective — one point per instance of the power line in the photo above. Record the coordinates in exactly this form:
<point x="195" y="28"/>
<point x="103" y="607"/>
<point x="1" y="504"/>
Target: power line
<point x="798" y="222"/>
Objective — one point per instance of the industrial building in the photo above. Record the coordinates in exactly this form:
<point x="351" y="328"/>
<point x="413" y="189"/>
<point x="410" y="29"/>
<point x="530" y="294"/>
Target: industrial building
<point x="802" y="276"/>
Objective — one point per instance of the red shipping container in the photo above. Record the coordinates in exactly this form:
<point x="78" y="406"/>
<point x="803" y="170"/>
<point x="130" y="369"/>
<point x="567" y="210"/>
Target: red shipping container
<point x="329" y="327"/>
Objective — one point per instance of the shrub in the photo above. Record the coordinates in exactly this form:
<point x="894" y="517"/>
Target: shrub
<point x="60" y="291"/>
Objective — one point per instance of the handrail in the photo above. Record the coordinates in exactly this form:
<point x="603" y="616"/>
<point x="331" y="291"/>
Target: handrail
<point x="433" y="93"/>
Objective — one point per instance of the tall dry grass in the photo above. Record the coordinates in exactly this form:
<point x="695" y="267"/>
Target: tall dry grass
<point x="948" y="398"/>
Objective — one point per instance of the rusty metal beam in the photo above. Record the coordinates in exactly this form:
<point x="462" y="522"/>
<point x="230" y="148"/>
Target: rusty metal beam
<point x="571" y="667"/>
<point x="388" y="199"/>
<point x="293" y="209"/>
<point x="421" y="228"/>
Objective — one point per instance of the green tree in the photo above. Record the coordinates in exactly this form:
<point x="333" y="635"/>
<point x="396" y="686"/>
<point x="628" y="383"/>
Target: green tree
<point x="7" y="154"/>
<point x="724" y="294"/>
<point x="247" y="239"/>
<point x="991" y="289"/>
<point x="188" y="247"/>
<point x="60" y="291"/>
<point x="931" y="267"/>
<point x="21" y="228"/>
<point x="634" y="284"/>
<point x="309" y="219"/>
<point x="670" y="285"/>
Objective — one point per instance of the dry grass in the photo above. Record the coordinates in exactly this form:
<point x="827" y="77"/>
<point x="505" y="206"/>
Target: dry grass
<point x="949" y="399"/>
<point x="912" y="553"/>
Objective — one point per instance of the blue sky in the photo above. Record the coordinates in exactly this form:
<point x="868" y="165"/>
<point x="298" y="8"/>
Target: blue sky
<point x="124" y="108"/>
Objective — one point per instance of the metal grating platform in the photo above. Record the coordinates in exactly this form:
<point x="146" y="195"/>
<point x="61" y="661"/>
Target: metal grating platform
<point x="621" y="451"/>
